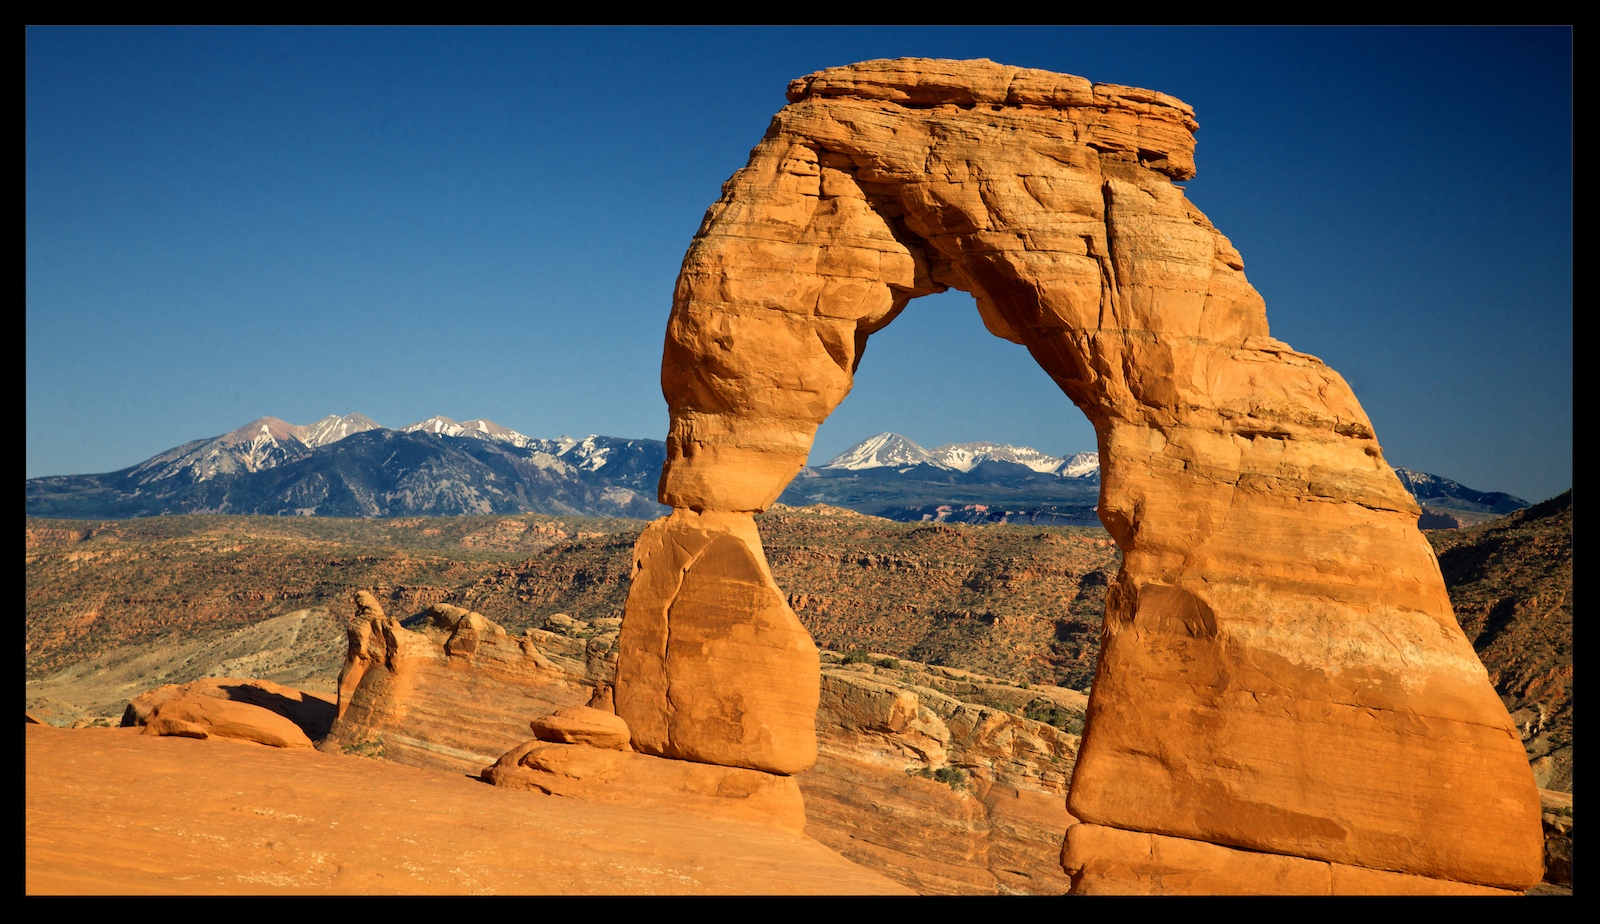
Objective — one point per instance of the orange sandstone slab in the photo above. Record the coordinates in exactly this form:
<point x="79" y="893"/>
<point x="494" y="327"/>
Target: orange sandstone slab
<point x="1109" y="861"/>
<point x="221" y="817"/>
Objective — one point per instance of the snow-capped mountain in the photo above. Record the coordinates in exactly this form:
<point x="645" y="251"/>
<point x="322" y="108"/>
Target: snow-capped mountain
<point x="889" y="475"/>
<point x="1080" y="465"/>
<point x="589" y="454"/>
<point x="891" y="450"/>
<point x="476" y="429"/>
<point x="1435" y="491"/>
<point x="261" y="444"/>
<point x="333" y="428"/>
<point x="886" y="450"/>
<point x="351" y="466"/>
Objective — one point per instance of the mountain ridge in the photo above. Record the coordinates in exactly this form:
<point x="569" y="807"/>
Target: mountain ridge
<point x="350" y="465"/>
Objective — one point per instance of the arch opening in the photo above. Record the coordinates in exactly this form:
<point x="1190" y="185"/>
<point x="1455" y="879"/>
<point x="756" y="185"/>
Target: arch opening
<point x="936" y="370"/>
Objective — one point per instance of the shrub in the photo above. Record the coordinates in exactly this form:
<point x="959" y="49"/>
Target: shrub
<point x="954" y="777"/>
<point x="1051" y="714"/>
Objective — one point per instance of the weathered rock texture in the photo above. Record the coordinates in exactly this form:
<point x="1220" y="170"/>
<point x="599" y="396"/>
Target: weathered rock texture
<point x="717" y="667"/>
<point x="457" y="691"/>
<point x="1281" y="670"/>
<point x="619" y="777"/>
<point x="948" y="795"/>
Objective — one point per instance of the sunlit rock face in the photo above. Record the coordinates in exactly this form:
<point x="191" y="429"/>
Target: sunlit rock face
<point x="1281" y="671"/>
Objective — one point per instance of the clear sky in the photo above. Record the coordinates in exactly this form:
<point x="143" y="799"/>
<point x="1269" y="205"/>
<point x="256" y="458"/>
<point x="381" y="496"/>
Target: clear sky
<point x="229" y="223"/>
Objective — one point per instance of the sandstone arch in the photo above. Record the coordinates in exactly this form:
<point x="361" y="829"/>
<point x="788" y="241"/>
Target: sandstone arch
<point x="1284" y="699"/>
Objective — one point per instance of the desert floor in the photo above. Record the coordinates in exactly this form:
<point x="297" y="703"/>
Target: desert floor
<point x="112" y="811"/>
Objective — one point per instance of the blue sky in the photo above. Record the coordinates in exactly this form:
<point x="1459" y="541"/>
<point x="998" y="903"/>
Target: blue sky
<point x="224" y="224"/>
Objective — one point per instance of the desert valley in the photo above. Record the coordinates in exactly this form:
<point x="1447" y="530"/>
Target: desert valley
<point x="955" y="666"/>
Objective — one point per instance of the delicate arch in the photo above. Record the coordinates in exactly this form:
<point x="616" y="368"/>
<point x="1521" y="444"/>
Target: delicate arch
<point x="1281" y="670"/>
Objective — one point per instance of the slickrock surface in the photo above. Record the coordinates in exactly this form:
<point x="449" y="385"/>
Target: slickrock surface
<point x="1281" y="670"/>
<point x="221" y="817"/>
<point x="640" y="780"/>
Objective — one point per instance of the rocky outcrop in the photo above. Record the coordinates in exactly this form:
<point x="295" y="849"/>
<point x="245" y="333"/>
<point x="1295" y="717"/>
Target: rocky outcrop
<point x="713" y="666"/>
<point x="1510" y="582"/>
<point x="1557" y="820"/>
<point x="1281" y="672"/>
<point x="584" y="753"/>
<point x="224" y="707"/>
<point x="936" y="776"/>
<point x="454" y="690"/>
<point x="947" y="795"/>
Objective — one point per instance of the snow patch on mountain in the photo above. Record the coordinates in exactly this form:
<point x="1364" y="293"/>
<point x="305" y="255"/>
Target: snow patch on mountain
<point x="333" y="428"/>
<point x="891" y="450"/>
<point x="964" y="457"/>
<point x="1080" y="465"/>
<point x="886" y="450"/>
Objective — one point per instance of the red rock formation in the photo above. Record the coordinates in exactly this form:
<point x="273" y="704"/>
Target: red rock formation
<point x="713" y="666"/>
<point x="1281" y="670"/>
<point x="946" y="796"/>
<point x="456" y="692"/>
<point x="999" y="829"/>
<point x="251" y="710"/>
<point x="618" y="777"/>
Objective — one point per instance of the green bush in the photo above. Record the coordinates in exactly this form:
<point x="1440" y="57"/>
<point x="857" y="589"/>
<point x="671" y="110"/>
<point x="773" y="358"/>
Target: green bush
<point x="954" y="777"/>
<point x="856" y="656"/>
<point x="1051" y="714"/>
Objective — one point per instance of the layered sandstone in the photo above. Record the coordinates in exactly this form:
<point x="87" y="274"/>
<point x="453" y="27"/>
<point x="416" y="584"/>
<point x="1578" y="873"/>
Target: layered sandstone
<point x="1281" y="671"/>
<point x="617" y="777"/>
<point x="944" y="794"/>
<point x="456" y="691"/>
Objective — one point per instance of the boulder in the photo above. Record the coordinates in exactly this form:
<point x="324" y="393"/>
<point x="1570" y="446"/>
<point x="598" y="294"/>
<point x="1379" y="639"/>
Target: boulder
<point x="251" y="710"/>
<point x="582" y="725"/>
<point x="641" y="780"/>
<point x="713" y="666"/>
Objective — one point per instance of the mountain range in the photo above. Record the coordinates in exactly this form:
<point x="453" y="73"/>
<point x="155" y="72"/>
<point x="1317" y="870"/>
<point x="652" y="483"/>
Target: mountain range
<point x="350" y="466"/>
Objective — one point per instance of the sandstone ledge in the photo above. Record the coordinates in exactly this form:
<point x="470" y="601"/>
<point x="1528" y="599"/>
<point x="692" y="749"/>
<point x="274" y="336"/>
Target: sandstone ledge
<point x="1110" y="861"/>
<point x="651" y="783"/>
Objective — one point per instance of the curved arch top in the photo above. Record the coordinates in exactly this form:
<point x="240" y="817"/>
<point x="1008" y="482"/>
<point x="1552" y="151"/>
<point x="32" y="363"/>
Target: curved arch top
<point x="1281" y="670"/>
